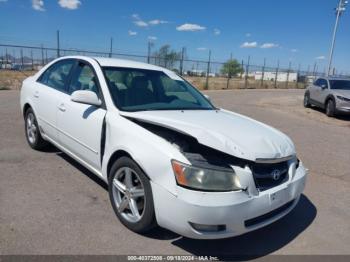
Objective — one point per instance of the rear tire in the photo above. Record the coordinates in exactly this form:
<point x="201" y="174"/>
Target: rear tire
<point x="330" y="108"/>
<point x="131" y="197"/>
<point x="32" y="131"/>
<point x="307" y="103"/>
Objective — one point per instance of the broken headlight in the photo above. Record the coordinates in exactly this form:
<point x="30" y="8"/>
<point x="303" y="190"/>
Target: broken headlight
<point x="342" y="98"/>
<point x="205" y="179"/>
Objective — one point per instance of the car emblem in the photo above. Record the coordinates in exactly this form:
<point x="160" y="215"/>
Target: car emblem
<point x="276" y="174"/>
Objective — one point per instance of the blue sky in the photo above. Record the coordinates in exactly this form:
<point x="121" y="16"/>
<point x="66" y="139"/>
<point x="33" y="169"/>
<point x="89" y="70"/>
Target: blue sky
<point x="298" y="31"/>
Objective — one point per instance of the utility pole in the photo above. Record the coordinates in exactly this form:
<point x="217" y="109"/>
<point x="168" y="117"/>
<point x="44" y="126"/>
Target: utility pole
<point x="277" y="68"/>
<point x="31" y="57"/>
<point x="111" y="48"/>
<point x="42" y="55"/>
<point x="314" y="72"/>
<point x="339" y="10"/>
<point x="229" y="73"/>
<point x="182" y="61"/>
<point x="208" y="70"/>
<point x="288" y="72"/>
<point x="263" y="73"/>
<point x="22" y="61"/>
<point x="298" y="73"/>
<point x="246" y="74"/>
<point x="7" y="58"/>
<point x="149" y="51"/>
<point x="58" y="43"/>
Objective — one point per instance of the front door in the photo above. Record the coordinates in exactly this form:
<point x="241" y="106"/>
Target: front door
<point x="80" y="125"/>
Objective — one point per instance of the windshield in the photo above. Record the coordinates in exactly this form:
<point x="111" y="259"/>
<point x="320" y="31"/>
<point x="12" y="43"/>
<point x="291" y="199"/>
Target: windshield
<point x="139" y="90"/>
<point x="340" y="84"/>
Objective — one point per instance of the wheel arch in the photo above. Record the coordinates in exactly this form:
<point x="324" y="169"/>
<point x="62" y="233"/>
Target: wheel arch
<point x="118" y="154"/>
<point x="26" y="106"/>
<point x="329" y="97"/>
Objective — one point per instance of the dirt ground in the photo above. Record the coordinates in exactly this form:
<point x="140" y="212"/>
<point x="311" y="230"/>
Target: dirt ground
<point x="219" y="83"/>
<point x="49" y="204"/>
<point x="12" y="80"/>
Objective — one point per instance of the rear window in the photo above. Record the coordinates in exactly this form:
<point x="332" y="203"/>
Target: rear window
<point x="56" y="76"/>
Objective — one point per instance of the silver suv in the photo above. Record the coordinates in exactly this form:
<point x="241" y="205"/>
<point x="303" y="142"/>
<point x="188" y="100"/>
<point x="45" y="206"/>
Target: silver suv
<point x="331" y="94"/>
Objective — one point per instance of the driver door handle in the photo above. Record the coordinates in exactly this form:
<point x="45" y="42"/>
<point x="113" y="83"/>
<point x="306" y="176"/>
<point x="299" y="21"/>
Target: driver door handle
<point x="61" y="107"/>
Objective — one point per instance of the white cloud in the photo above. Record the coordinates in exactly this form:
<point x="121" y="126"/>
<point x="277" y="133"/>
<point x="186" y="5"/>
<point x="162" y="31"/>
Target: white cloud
<point x="269" y="45"/>
<point x="321" y="57"/>
<point x="201" y="48"/>
<point x="140" y="23"/>
<point x="294" y="50"/>
<point x="217" y="31"/>
<point x="249" y="45"/>
<point x="69" y="4"/>
<point x="190" y="27"/>
<point x="153" y="38"/>
<point x="157" y="22"/>
<point x="132" y="33"/>
<point x="248" y="34"/>
<point x="135" y="16"/>
<point x="38" y="5"/>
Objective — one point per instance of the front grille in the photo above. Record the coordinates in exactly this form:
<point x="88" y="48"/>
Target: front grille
<point x="269" y="175"/>
<point x="257" y="220"/>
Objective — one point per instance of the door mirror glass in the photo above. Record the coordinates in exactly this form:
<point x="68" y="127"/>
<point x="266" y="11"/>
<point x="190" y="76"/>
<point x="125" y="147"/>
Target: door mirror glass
<point x="85" y="97"/>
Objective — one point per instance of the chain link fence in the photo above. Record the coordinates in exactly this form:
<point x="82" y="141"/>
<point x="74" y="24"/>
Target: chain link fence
<point x="18" y="62"/>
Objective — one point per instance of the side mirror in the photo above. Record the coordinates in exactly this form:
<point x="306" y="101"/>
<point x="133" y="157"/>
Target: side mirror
<point x="85" y="97"/>
<point x="207" y="97"/>
<point x="323" y="87"/>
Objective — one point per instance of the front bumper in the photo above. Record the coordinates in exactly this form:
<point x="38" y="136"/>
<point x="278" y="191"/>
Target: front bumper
<point x="240" y="212"/>
<point x="342" y="106"/>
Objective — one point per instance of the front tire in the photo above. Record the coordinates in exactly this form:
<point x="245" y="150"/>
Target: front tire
<point x="131" y="197"/>
<point x="32" y="131"/>
<point x="330" y="108"/>
<point x="307" y="103"/>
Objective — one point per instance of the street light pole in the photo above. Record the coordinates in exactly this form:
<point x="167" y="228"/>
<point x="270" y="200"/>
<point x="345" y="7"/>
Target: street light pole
<point x="340" y="9"/>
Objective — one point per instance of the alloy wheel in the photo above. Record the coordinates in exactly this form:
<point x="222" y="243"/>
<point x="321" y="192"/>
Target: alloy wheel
<point x="129" y="194"/>
<point x="31" y="128"/>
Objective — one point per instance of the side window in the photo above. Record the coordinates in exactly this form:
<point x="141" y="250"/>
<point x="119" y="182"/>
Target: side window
<point x="317" y="82"/>
<point x="324" y="83"/>
<point x="56" y="76"/>
<point x="84" y="78"/>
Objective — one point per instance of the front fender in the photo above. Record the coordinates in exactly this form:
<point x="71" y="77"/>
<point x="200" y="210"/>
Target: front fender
<point x="151" y="152"/>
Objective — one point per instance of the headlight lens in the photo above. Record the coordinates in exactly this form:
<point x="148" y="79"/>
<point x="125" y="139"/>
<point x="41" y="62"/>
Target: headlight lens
<point x="343" y="98"/>
<point x="205" y="179"/>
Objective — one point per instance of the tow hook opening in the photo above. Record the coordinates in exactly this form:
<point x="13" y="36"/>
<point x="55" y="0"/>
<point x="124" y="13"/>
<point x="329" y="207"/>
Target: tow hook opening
<point x="207" y="228"/>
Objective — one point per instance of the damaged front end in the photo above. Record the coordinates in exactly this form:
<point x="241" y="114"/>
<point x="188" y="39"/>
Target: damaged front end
<point x="213" y="170"/>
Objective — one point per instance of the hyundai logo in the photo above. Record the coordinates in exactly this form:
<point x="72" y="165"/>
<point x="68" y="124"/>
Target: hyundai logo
<point x="276" y="174"/>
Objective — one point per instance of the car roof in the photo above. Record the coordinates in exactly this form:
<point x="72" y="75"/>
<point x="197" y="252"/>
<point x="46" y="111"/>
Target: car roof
<point x="123" y="63"/>
<point x="116" y="62"/>
<point x="333" y="78"/>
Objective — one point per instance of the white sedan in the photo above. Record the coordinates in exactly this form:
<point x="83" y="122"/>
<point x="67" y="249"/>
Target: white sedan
<point x="169" y="156"/>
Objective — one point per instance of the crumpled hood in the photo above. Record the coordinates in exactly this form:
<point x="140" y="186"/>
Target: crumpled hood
<point x="345" y="93"/>
<point x="223" y="130"/>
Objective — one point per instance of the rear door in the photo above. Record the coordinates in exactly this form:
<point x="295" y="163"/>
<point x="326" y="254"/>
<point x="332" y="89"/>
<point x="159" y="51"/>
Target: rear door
<point x="50" y="85"/>
<point x="80" y="125"/>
